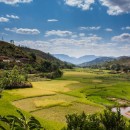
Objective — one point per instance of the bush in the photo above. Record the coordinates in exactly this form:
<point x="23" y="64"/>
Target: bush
<point x="14" y="79"/>
<point x="113" y="121"/>
<point x="106" y="121"/>
<point x="52" y="75"/>
<point x="83" y="122"/>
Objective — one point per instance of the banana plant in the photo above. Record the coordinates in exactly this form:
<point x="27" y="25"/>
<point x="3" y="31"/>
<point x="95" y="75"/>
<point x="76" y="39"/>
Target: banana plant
<point x="20" y="123"/>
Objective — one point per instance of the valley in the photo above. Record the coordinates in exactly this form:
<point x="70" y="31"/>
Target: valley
<point x="78" y="90"/>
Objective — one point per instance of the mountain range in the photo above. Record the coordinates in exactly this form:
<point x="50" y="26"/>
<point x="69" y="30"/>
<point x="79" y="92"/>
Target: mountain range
<point x="75" y="60"/>
<point x="97" y="61"/>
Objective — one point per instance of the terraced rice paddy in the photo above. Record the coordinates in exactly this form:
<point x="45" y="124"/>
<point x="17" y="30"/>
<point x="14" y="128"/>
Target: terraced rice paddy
<point x="77" y="91"/>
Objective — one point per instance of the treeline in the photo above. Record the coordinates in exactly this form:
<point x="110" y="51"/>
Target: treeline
<point x="114" y="67"/>
<point x="46" y="68"/>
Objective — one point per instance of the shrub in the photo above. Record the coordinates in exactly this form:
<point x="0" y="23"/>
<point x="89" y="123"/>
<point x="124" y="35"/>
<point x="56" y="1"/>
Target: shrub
<point x="83" y="122"/>
<point x="112" y="120"/>
<point x="52" y="75"/>
<point x="106" y="121"/>
<point x="14" y="79"/>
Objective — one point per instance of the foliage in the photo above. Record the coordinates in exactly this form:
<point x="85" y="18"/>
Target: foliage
<point x="56" y="74"/>
<point x="20" y="56"/>
<point x="20" y="123"/>
<point x="83" y="122"/>
<point x="113" y="121"/>
<point x="33" y="56"/>
<point x="49" y="70"/>
<point x="1" y="92"/>
<point x="106" y="121"/>
<point x="14" y="79"/>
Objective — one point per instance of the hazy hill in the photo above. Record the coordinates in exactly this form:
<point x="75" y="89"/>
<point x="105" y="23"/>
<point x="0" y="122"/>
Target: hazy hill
<point x="75" y="60"/>
<point x="123" y="60"/>
<point x="97" y="61"/>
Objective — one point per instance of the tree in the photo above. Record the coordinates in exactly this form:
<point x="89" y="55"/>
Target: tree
<point x="106" y="121"/>
<point x="83" y="122"/>
<point x="14" y="79"/>
<point x="45" y="66"/>
<point x="112" y="120"/>
<point x="33" y="56"/>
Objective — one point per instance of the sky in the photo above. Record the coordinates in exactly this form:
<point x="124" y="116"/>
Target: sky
<point x="72" y="27"/>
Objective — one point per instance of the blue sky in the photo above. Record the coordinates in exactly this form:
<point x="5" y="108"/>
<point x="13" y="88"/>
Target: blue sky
<point x="73" y="27"/>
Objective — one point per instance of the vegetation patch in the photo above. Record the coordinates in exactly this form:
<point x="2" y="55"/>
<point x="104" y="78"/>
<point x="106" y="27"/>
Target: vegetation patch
<point x="31" y="92"/>
<point x="51" y="103"/>
<point x="77" y="91"/>
<point x="58" y="113"/>
<point x="28" y="104"/>
<point x="14" y="79"/>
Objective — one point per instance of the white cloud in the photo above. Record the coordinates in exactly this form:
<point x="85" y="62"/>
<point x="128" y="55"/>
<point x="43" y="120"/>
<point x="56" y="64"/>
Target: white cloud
<point x="2" y="19"/>
<point x="52" y="20"/>
<point x="82" y="34"/>
<point x="83" y="4"/>
<point x="116" y="7"/>
<point x="58" y="33"/>
<point x="90" y="28"/>
<point x="12" y="16"/>
<point x="108" y="29"/>
<point x="12" y="2"/>
<point x="73" y="47"/>
<point x="125" y="37"/>
<point x="24" y="31"/>
<point x="89" y="44"/>
<point x="126" y="28"/>
<point x="63" y="45"/>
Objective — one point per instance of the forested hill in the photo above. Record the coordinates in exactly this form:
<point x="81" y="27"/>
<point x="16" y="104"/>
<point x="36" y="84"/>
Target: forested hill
<point x="23" y="55"/>
<point x="97" y="61"/>
<point x="117" y="64"/>
<point x="12" y="51"/>
<point x="123" y="60"/>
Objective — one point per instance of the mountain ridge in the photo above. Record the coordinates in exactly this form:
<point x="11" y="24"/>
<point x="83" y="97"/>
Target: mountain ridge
<point x="97" y="61"/>
<point x="75" y="60"/>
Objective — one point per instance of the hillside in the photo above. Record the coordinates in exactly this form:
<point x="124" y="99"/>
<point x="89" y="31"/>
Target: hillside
<point x="9" y="53"/>
<point x="12" y="51"/>
<point x="97" y="61"/>
<point x="123" y="60"/>
<point x="120" y="64"/>
<point x="75" y="60"/>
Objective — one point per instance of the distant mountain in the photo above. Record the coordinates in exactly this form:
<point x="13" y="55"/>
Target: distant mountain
<point x="97" y="61"/>
<point x="122" y="60"/>
<point x="75" y="60"/>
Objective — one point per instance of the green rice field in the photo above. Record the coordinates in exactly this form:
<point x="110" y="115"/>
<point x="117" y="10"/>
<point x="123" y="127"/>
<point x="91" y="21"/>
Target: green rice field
<point x="78" y="90"/>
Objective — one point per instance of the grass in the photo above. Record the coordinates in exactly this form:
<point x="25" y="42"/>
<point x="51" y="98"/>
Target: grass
<point x="43" y="88"/>
<point x="58" y="113"/>
<point x="77" y="91"/>
<point x="50" y="103"/>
